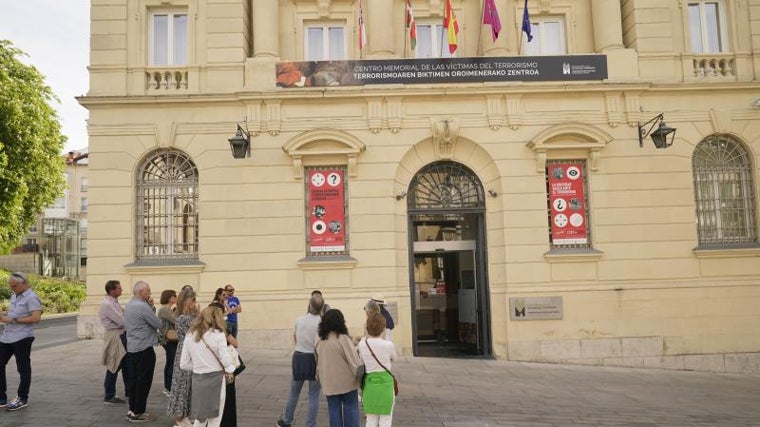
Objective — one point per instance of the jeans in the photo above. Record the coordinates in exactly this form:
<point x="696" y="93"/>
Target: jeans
<point x="295" y="392"/>
<point x="142" y="364"/>
<point x="110" y="382"/>
<point x="343" y="409"/>
<point x="21" y="350"/>
<point x="171" y="351"/>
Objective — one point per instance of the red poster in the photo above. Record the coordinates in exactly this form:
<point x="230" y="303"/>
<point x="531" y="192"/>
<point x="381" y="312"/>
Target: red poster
<point x="326" y="211"/>
<point x="568" y="210"/>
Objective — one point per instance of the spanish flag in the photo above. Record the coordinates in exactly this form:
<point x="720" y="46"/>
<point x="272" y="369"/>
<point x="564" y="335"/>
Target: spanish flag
<point x="451" y="25"/>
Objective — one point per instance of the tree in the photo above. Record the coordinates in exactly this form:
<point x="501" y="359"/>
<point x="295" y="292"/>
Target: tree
<point x="31" y="165"/>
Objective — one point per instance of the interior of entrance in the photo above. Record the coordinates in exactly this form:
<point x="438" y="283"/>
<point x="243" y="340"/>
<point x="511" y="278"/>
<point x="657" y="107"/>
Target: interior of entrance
<point x="445" y="285"/>
<point x="445" y="304"/>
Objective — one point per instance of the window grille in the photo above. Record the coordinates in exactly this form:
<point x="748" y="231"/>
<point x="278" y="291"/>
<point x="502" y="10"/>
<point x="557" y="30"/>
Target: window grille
<point x="445" y="185"/>
<point x="167" y="208"/>
<point x="724" y="193"/>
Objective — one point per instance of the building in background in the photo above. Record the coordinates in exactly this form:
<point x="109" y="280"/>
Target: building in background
<point x="502" y="194"/>
<point x="56" y="244"/>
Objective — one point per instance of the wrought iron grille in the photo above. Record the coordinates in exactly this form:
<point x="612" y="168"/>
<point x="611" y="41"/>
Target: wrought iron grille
<point x="445" y="185"/>
<point x="724" y="193"/>
<point x="167" y="208"/>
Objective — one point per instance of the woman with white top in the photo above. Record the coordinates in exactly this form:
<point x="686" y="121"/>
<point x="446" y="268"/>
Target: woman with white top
<point x="205" y="353"/>
<point x="378" y="393"/>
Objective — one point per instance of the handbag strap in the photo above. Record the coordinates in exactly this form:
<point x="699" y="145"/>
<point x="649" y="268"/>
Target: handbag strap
<point x="366" y="341"/>
<point x="214" y="353"/>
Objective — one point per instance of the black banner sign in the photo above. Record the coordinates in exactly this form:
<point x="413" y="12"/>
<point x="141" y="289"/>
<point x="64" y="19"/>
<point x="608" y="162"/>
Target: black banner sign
<point x="442" y="70"/>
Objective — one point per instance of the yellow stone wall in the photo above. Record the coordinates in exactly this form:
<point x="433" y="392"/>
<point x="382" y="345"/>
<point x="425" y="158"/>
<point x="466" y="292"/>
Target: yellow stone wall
<point x="648" y="295"/>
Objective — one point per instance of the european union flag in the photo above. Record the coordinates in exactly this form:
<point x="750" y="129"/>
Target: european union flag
<point x="526" y="27"/>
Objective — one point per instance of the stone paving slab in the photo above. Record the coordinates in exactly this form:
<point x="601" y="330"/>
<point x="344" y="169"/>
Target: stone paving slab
<point x="67" y="392"/>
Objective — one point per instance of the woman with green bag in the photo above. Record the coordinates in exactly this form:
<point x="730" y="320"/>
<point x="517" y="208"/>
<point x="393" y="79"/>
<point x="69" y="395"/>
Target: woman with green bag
<point x="377" y="354"/>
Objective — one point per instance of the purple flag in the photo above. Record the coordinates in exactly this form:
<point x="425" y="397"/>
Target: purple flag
<point x="491" y="17"/>
<point x="526" y="22"/>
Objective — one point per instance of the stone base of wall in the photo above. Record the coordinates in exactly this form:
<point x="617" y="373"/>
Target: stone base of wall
<point x="25" y="262"/>
<point x="633" y="352"/>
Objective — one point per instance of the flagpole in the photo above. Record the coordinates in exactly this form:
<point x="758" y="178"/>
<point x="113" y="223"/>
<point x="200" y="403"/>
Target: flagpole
<point x="406" y="30"/>
<point x="480" y="33"/>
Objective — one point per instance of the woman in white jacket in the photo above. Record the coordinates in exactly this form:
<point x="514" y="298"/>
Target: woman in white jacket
<point x="205" y="353"/>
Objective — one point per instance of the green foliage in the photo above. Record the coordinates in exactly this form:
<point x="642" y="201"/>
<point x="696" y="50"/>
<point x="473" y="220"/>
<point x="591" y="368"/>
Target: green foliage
<point x="31" y="165"/>
<point x="57" y="295"/>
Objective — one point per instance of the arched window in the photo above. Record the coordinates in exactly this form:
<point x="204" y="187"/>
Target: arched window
<point x="167" y="208"/>
<point x="445" y="185"/>
<point x="724" y="192"/>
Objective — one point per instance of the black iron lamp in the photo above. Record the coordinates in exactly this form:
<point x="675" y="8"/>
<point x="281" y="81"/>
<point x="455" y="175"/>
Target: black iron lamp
<point x="663" y="137"/>
<point x="240" y="144"/>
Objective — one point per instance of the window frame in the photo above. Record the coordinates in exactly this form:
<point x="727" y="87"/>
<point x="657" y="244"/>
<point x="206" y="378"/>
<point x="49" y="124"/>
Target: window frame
<point x="310" y="254"/>
<point x="711" y="213"/>
<point x="325" y="27"/>
<point x="538" y="30"/>
<point x="170" y="60"/>
<point x="721" y="31"/>
<point x="84" y="184"/>
<point x="149" y="194"/>
<point x="435" y="41"/>
<point x="586" y="205"/>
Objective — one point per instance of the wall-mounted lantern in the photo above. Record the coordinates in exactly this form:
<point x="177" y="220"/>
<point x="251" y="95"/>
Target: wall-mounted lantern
<point x="240" y="144"/>
<point x="663" y="137"/>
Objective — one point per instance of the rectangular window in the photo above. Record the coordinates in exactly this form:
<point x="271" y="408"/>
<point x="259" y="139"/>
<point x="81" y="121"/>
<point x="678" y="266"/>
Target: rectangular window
<point x="325" y="43"/>
<point x="567" y="204"/>
<point x="432" y="42"/>
<point x="84" y="204"/>
<point x="707" y="26"/>
<point x="326" y="211"/>
<point x="168" y="38"/>
<point x="84" y="185"/>
<point x="548" y="37"/>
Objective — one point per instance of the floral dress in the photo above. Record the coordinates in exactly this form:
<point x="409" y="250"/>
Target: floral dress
<point x="179" y="399"/>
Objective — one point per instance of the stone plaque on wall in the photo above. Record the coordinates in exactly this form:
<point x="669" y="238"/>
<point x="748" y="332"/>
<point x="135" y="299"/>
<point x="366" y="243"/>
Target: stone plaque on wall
<point x="535" y="308"/>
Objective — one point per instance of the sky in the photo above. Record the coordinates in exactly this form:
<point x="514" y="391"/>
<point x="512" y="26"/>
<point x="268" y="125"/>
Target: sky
<point x="55" y="34"/>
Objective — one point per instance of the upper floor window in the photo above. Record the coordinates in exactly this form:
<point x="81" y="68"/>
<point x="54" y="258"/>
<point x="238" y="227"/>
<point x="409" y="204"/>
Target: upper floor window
<point x="84" y="185"/>
<point x="167" y="208"/>
<point x="325" y="43"/>
<point x="724" y="193"/>
<point x="707" y="26"/>
<point x="84" y="205"/>
<point x="168" y="38"/>
<point x="548" y="37"/>
<point x="432" y="42"/>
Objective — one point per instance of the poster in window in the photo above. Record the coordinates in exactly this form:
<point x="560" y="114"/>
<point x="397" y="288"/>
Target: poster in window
<point x="567" y="199"/>
<point x="326" y="210"/>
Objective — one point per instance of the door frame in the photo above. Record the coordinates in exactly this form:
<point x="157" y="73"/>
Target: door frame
<point x="478" y="247"/>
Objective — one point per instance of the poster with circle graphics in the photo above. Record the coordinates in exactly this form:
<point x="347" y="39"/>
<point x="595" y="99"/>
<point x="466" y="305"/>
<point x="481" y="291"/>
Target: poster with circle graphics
<point x="567" y="200"/>
<point x="326" y="210"/>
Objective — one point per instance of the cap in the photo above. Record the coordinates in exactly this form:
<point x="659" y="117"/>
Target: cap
<point x="378" y="298"/>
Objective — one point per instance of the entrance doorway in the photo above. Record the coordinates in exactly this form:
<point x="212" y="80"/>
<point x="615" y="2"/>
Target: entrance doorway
<point x="448" y="279"/>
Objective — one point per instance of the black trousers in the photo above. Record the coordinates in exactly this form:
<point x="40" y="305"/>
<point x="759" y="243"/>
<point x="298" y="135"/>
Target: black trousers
<point x="142" y="364"/>
<point x="21" y="350"/>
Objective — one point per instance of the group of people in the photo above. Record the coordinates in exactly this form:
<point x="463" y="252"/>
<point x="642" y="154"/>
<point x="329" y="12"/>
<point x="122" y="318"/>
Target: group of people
<point x="338" y="366"/>
<point x="199" y="370"/>
<point x="200" y="367"/>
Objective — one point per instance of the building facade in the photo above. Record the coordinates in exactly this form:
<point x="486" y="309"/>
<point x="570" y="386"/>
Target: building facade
<point x="504" y="196"/>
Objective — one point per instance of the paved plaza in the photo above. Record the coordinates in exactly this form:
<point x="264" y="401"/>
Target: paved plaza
<point x="67" y="391"/>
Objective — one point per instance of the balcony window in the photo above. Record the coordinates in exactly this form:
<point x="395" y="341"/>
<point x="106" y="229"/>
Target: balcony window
<point x="84" y="185"/>
<point x="325" y="43"/>
<point x="432" y="42"/>
<point x="548" y="37"/>
<point x="168" y="38"/>
<point x="707" y="27"/>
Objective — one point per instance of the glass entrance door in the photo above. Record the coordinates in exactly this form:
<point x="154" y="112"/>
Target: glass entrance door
<point x="447" y="287"/>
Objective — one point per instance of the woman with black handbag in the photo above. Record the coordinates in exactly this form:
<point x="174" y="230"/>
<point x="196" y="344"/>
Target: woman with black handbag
<point x="378" y="390"/>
